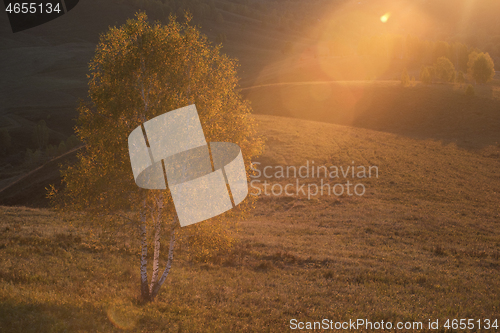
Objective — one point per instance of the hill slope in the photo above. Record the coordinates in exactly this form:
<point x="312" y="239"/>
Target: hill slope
<point x="422" y="243"/>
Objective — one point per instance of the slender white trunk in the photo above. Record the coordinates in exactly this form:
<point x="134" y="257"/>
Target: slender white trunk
<point x="144" y="254"/>
<point x="156" y="257"/>
<point x="169" y="262"/>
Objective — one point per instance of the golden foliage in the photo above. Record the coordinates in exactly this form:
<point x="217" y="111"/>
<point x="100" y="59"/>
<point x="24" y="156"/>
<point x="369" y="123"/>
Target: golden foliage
<point x="139" y="71"/>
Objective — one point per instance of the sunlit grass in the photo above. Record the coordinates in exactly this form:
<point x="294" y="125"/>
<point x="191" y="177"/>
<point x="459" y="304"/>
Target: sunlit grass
<point x="422" y="243"/>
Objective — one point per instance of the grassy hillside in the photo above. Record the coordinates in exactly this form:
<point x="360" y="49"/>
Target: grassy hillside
<point x="422" y="243"/>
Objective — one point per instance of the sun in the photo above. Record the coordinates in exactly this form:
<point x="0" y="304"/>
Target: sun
<point x="385" y="17"/>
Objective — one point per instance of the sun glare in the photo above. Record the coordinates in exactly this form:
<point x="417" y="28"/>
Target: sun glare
<point x="385" y="17"/>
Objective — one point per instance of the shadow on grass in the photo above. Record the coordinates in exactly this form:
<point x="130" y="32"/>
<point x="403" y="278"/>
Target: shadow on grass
<point x="40" y="318"/>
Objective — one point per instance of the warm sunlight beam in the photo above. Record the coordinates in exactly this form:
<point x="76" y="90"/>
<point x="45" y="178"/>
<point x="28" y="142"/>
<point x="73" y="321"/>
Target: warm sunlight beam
<point x="385" y="17"/>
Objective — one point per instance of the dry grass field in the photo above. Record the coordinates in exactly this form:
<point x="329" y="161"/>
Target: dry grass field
<point x="422" y="243"/>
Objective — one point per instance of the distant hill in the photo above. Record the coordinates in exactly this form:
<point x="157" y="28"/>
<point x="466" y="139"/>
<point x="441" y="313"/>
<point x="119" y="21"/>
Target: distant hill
<point x="439" y="111"/>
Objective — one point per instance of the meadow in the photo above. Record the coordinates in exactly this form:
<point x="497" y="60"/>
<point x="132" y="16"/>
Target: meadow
<point x="422" y="243"/>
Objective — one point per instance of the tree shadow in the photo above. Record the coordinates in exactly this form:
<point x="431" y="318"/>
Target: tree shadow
<point x="39" y="318"/>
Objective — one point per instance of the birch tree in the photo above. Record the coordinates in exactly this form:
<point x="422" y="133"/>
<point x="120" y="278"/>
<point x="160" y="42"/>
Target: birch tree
<point x="141" y="70"/>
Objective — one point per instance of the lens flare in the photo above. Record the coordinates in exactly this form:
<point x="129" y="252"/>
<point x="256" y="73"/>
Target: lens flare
<point x="385" y="17"/>
<point x="122" y="315"/>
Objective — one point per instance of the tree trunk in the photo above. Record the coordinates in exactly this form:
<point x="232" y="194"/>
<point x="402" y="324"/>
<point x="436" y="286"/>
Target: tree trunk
<point x="156" y="257"/>
<point x="157" y="287"/>
<point x="144" y="254"/>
